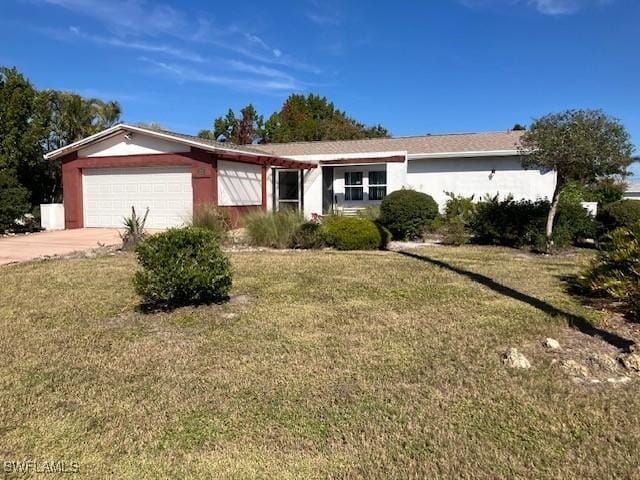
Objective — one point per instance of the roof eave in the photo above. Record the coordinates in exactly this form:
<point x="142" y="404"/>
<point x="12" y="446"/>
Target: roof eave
<point x="466" y="154"/>
<point x="259" y="157"/>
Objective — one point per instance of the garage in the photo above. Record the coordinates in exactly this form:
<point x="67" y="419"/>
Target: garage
<point x="109" y="194"/>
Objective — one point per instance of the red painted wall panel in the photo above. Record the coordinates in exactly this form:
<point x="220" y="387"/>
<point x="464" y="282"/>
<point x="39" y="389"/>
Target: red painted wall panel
<point x="203" y="177"/>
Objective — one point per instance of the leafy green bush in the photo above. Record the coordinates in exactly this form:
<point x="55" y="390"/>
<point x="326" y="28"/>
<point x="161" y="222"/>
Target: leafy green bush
<point x="522" y="223"/>
<point x="14" y="201"/>
<point x="407" y="213"/>
<point x="352" y="233"/>
<point x="623" y="213"/>
<point x="508" y="222"/>
<point x="460" y="207"/>
<point x="616" y="270"/>
<point x="604" y="192"/>
<point x="453" y="226"/>
<point x="455" y="232"/>
<point x="272" y="229"/>
<point x="573" y="223"/>
<point x="308" y="236"/>
<point x="181" y="267"/>
<point x="212" y="218"/>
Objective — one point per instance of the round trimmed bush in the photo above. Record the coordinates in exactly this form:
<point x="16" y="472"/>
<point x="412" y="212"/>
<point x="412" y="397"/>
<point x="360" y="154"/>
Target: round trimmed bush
<point x="623" y="213"/>
<point x="352" y="233"/>
<point x="307" y="236"/>
<point x="406" y="213"/>
<point x="182" y="266"/>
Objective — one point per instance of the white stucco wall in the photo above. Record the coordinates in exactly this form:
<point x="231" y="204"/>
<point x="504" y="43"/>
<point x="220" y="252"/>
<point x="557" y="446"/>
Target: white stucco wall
<point x="312" y="191"/>
<point x="473" y="176"/>
<point x="138" y="144"/>
<point x="396" y="176"/>
<point x="239" y="184"/>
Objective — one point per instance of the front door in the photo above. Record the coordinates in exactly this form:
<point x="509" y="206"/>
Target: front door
<point x="288" y="190"/>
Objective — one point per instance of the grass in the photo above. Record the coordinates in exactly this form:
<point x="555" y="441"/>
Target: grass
<point x="272" y="229"/>
<point x="343" y="365"/>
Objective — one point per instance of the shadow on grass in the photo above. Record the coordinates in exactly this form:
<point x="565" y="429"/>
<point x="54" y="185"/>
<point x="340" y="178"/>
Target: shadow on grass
<point x="163" y="307"/>
<point x="575" y="321"/>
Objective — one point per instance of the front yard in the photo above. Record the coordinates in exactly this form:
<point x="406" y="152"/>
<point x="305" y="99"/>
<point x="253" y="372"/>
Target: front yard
<point x="325" y="364"/>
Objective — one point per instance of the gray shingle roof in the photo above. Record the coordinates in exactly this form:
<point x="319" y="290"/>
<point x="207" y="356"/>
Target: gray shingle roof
<point x="213" y="143"/>
<point x="428" y="144"/>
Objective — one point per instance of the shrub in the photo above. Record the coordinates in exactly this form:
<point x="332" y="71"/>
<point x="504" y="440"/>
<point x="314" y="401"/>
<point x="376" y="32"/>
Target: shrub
<point x="133" y="229"/>
<point x="407" y="213"/>
<point x="459" y="207"/>
<point x="455" y="232"/>
<point x="14" y="201"/>
<point x="352" y="233"/>
<point x="616" y="270"/>
<point x="573" y="223"/>
<point x="605" y="191"/>
<point x="623" y="213"/>
<point x="272" y="229"/>
<point x="522" y="223"/>
<point x="308" y="236"/>
<point x="385" y="235"/>
<point x="181" y="267"/>
<point x="370" y="213"/>
<point x="459" y="212"/>
<point x="212" y="218"/>
<point x="509" y="222"/>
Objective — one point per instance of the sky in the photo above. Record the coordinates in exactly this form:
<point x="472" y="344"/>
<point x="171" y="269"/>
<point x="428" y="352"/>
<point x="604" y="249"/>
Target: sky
<point x="414" y="66"/>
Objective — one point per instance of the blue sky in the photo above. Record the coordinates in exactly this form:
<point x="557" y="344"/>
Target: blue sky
<point x="414" y="66"/>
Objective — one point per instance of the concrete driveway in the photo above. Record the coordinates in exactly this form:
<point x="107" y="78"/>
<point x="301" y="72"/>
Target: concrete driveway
<point x="21" y="248"/>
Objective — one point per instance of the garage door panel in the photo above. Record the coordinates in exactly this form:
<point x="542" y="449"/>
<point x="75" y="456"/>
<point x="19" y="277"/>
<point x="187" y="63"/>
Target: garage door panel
<point x="110" y="193"/>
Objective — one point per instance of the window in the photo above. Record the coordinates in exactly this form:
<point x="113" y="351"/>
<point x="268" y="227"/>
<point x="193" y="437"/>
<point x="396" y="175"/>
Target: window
<point x="353" y="189"/>
<point x="377" y="185"/>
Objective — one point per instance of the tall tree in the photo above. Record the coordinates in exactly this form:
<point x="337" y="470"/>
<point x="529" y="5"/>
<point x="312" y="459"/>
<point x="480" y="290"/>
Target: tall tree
<point x="314" y="118"/>
<point x="33" y="122"/>
<point x="301" y="118"/>
<point x="107" y="113"/>
<point x="244" y="129"/>
<point x="581" y="146"/>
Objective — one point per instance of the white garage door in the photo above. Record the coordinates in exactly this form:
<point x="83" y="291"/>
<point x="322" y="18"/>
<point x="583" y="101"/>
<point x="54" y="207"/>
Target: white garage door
<point x="109" y="194"/>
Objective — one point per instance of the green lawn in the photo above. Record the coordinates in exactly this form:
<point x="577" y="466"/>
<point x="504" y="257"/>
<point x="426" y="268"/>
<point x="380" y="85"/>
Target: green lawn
<point x="327" y="364"/>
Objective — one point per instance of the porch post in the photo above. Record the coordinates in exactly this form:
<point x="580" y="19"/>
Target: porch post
<point x="301" y="177"/>
<point x="264" y="188"/>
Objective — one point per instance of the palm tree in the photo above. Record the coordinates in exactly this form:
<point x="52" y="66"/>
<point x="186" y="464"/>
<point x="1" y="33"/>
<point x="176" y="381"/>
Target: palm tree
<point x="107" y="114"/>
<point x="76" y="117"/>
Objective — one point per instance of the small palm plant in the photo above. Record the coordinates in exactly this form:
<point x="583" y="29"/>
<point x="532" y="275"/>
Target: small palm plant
<point x="133" y="229"/>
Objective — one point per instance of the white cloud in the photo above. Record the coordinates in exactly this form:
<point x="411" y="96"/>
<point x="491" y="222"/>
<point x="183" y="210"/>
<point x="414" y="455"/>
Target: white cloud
<point x="162" y="31"/>
<point x="545" y="7"/>
<point x="137" y="45"/>
<point x="324" y="13"/>
<point x="188" y="74"/>
<point x="131" y="16"/>
<point x="142" y="18"/>
<point x="556" y="7"/>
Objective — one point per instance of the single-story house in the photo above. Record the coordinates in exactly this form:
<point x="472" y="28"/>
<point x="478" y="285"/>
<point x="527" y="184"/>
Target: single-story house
<point x="171" y="173"/>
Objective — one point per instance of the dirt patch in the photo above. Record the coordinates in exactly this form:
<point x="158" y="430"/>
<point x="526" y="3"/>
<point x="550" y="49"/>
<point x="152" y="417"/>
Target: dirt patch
<point x="589" y="360"/>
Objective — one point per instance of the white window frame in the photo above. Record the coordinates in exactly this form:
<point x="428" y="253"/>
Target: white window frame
<point x="361" y="186"/>
<point x="376" y="185"/>
<point x="298" y="201"/>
